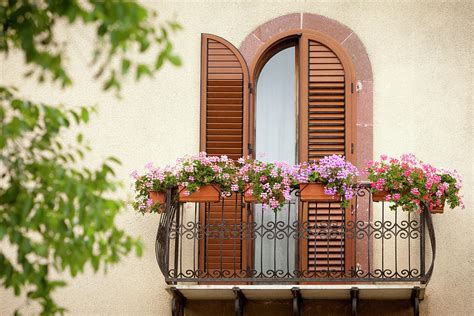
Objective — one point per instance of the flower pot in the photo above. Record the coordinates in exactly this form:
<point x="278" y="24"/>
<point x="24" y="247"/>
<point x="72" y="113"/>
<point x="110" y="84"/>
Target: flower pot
<point x="206" y="193"/>
<point x="437" y="210"/>
<point x="157" y="197"/>
<point x="379" y="196"/>
<point x="314" y="192"/>
<point x="248" y="196"/>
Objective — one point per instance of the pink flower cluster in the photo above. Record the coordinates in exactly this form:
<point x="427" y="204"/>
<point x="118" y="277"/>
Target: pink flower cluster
<point x="411" y="182"/>
<point x="337" y="174"/>
<point x="198" y="170"/>
<point x="154" y="179"/>
<point x="269" y="183"/>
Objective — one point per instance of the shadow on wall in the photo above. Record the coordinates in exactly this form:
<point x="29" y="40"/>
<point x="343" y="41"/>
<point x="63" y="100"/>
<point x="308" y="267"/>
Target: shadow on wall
<point x="314" y="307"/>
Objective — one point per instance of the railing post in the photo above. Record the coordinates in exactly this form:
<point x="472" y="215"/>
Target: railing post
<point x="162" y="242"/>
<point x="432" y="240"/>
<point x="422" y="241"/>
<point x="176" y="242"/>
<point x="168" y="214"/>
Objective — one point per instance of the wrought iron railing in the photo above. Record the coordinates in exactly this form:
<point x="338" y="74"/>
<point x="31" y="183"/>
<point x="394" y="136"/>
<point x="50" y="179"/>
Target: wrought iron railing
<point x="240" y="243"/>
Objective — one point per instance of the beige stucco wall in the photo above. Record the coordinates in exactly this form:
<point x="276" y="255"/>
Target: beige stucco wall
<point x="422" y="60"/>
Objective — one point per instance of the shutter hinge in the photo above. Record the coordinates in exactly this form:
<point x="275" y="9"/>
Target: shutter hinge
<point x="352" y="148"/>
<point x="249" y="147"/>
<point x="250" y="88"/>
<point x="352" y="87"/>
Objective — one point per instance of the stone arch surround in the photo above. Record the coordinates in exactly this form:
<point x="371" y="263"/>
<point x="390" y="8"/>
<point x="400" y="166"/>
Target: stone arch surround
<point x="353" y="46"/>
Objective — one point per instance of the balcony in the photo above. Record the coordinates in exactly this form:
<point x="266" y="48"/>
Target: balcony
<point x="237" y="250"/>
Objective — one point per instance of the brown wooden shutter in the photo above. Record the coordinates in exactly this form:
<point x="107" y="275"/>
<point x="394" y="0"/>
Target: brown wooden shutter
<point x="224" y="102"/>
<point x="224" y="97"/>
<point x="325" y="129"/>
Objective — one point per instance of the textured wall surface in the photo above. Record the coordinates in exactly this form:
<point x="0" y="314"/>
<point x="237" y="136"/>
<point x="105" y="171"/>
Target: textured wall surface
<point x="422" y="62"/>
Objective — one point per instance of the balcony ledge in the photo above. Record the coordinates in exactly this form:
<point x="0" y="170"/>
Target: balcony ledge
<point x="399" y="291"/>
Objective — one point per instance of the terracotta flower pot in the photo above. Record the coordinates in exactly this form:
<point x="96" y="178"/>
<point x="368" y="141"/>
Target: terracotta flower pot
<point x="314" y="192"/>
<point x="379" y="196"/>
<point x="248" y="196"/>
<point x="438" y="210"/>
<point x="206" y="193"/>
<point x="156" y="196"/>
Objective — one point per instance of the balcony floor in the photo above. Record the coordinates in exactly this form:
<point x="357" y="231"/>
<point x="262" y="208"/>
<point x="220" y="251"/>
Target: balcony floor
<point x="399" y="291"/>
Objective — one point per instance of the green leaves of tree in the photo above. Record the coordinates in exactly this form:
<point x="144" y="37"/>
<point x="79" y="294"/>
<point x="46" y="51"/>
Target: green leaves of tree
<point x="59" y="216"/>
<point x="122" y="28"/>
<point x="56" y="215"/>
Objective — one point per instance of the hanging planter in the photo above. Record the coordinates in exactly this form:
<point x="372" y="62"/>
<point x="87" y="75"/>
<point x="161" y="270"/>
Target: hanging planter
<point x="379" y="196"/>
<point x="248" y="195"/>
<point x="203" y="178"/>
<point x="413" y="183"/>
<point x="205" y="193"/>
<point x="151" y="188"/>
<point x="314" y="192"/>
<point x="331" y="179"/>
<point x="437" y="209"/>
<point x="157" y="197"/>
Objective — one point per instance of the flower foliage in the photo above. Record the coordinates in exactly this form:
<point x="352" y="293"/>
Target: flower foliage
<point x="269" y="183"/>
<point x="196" y="171"/>
<point x="411" y="182"/>
<point x="155" y="179"/>
<point x="337" y="175"/>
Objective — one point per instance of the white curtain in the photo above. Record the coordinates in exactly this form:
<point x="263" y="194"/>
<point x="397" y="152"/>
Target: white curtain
<point x="276" y="140"/>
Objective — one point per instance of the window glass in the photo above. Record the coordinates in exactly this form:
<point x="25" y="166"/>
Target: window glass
<point x="276" y="140"/>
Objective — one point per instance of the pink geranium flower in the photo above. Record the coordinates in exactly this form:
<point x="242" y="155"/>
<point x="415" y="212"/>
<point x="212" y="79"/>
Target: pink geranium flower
<point x="412" y="183"/>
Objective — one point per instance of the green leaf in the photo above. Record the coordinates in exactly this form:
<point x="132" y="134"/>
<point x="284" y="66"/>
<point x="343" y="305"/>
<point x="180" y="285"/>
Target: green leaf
<point x="113" y="159"/>
<point x="175" y="60"/>
<point x="42" y="250"/>
<point x="95" y="262"/>
<point x="125" y="66"/>
<point x="84" y="115"/>
<point x="142" y="70"/>
<point x="139" y="250"/>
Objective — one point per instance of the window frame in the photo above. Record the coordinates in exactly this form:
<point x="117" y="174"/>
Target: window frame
<point x="301" y="36"/>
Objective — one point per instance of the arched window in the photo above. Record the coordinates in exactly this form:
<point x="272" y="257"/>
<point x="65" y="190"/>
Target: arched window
<point x="324" y="85"/>
<point x="324" y="79"/>
<point x="295" y="101"/>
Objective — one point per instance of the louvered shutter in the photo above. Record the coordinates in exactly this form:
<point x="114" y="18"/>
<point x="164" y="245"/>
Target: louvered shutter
<point x="325" y="120"/>
<point x="224" y="101"/>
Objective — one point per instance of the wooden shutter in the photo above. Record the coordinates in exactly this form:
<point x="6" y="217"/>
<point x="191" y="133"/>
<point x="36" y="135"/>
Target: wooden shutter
<point x="224" y="102"/>
<point x="325" y="129"/>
